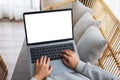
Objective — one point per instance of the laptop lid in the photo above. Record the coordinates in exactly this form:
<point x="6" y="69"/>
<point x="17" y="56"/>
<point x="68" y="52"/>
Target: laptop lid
<point x="48" y="26"/>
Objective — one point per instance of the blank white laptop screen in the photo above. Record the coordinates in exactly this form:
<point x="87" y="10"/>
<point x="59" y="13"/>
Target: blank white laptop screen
<point x="48" y="26"/>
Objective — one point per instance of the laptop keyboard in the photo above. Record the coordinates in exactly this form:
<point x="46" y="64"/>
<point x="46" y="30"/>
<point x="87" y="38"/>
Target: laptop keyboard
<point x="52" y="51"/>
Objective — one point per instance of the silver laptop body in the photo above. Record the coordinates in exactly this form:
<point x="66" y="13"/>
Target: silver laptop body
<point x="46" y="28"/>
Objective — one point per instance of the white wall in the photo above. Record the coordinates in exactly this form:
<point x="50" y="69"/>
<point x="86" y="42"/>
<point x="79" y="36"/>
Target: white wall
<point x="114" y="6"/>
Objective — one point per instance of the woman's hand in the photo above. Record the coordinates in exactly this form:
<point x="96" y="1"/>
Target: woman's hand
<point x="42" y="68"/>
<point x="70" y="58"/>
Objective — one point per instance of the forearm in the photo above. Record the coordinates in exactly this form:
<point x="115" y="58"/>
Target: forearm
<point x="93" y="72"/>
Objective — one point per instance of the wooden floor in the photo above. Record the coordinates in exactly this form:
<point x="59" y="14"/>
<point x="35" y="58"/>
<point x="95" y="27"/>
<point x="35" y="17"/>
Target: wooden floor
<point x="11" y="40"/>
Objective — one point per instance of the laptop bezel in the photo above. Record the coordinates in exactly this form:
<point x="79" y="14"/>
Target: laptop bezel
<point x="37" y="12"/>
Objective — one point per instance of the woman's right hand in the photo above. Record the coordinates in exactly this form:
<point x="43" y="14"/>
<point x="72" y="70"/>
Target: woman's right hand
<point x="70" y="59"/>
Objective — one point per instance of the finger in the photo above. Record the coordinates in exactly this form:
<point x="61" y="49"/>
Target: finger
<point x="65" y="56"/>
<point x="66" y="52"/>
<point x="50" y="69"/>
<point x="37" y="62"/>
<point x="48" y="61"/>
<point x="44" y="60"/>
<point x="41" y="60"/>
<point x="65" y="62"/>
<point x="71" y="52"/>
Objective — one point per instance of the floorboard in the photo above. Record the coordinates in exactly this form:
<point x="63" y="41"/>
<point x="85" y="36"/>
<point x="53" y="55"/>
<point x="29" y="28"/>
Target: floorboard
<point x="11" y="39"/>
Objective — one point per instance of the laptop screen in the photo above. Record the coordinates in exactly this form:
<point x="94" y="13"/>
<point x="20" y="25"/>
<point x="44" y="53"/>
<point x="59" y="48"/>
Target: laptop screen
<point x="48" y="26"/>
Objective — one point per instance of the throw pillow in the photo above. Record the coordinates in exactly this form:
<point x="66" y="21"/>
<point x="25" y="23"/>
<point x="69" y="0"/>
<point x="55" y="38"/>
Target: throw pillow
<point x="91" y="45"/>
<point x="84" y="22"/>
<point x="78" y="10"/>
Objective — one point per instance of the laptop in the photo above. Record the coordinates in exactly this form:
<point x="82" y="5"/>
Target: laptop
<point x="49" y="33"/>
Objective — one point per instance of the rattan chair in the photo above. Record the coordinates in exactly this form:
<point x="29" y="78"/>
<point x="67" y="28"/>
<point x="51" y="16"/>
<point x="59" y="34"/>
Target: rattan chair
<point x="3" y="69"/>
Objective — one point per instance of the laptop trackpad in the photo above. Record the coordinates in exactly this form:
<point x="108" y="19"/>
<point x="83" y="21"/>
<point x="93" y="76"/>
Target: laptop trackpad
<point x="59" y="67"/>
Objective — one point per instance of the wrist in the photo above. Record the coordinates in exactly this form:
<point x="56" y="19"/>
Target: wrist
<point x="38" y="77"/>
<point x="80" y="67"/>
<point x="75" y="66"/>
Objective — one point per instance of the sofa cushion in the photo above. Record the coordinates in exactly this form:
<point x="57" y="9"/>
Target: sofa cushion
<point x="91" y="45"/>
<point x="78" y="10"/>
<point x="83" y="23"/>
